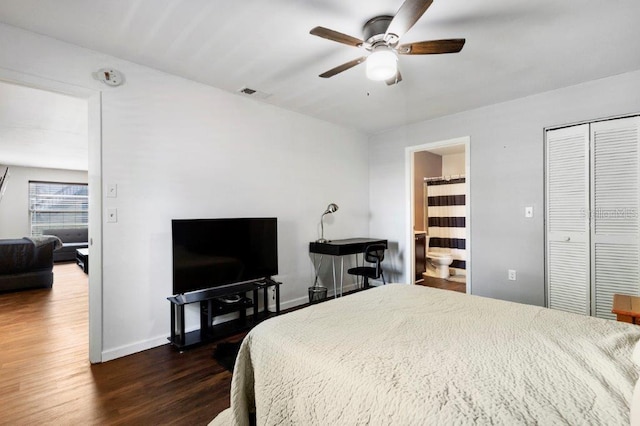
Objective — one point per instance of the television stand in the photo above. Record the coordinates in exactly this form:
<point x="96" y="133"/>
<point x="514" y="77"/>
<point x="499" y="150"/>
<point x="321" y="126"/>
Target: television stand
<point x="218" y="301"/>
<point x="234" y="298"/>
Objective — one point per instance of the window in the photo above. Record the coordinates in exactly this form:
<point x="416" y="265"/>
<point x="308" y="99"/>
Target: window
<point x="58" y="205"/>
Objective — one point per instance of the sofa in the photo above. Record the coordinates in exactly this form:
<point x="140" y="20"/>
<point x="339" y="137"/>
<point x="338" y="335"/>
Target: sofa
<point x="72" y="239"/>
<point x="25" y="265"/>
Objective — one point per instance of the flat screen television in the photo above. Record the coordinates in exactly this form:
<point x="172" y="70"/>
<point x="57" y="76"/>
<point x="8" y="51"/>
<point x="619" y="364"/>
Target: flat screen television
<point x="215" y="252"/>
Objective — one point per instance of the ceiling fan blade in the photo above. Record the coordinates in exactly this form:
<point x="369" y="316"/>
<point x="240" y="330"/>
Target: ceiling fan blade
<point x="343" y="67"/>
<point x="394" y="80"/>
<point x="406" y="17"/>
<point x="336" y="36"/>
<point x="432" y="47"/>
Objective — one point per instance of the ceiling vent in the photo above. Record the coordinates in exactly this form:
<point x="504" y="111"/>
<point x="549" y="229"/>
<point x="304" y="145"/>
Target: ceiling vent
<point x="253" y="93"/>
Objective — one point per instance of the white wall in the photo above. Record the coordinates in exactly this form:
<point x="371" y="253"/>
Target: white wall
<point x="179" y="149"/>
<point x="14" y="206"/>
<point x="506" y="171"/>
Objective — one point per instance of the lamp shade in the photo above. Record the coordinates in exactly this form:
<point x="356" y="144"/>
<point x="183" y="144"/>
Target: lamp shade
<point x="382" y="64"/>
<point x="331" y="208"/>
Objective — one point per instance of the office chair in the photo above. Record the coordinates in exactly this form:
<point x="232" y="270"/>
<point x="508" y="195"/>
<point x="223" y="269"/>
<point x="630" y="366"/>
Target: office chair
<point x="373" y="253"/>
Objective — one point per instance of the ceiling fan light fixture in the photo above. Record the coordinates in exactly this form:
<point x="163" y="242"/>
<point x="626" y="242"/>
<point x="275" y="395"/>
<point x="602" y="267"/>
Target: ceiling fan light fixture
<point x="381" y="37"/>
<point x="382" y="64"/>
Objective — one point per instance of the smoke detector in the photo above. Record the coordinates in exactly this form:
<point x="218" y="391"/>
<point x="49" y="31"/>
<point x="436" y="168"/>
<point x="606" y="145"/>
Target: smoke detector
<point x="109" y="76"/>
<point x="253" y="93"/>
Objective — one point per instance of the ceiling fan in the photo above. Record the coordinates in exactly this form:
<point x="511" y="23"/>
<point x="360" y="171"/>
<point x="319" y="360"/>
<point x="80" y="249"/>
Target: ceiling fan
<point x="381" y="37"/>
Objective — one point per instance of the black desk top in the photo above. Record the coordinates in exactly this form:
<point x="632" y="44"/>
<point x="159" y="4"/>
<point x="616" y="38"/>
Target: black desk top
<point x="344" y="247"/>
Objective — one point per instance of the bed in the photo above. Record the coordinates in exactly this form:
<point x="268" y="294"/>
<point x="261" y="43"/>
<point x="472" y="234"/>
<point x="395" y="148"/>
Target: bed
<point x="403" y="354"/>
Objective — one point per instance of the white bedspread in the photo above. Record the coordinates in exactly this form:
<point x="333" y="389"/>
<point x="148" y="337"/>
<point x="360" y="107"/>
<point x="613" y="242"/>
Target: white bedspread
<point x="411" y="355"/>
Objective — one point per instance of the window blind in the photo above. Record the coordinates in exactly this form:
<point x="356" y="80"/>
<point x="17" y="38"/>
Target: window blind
<point x="55" y="205"/>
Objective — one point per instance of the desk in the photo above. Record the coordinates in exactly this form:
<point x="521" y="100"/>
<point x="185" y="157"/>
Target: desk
<point x="342" y="248"/>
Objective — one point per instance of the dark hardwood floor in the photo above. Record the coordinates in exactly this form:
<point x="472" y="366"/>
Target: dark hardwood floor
<point x="443" y="284"/>
<point x="46" y="378"/>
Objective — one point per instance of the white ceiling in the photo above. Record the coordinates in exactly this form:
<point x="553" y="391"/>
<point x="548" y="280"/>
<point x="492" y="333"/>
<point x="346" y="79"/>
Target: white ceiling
<point x="513" y="49"/>
<point x="42" y="129"/>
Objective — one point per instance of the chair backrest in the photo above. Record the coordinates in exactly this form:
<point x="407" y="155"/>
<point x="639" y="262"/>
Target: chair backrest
<point x="374" y="253"/>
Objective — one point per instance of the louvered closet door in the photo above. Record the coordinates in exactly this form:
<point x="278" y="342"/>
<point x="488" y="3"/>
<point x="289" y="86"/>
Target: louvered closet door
<point x="567" y="205"/>
<point x="615" y="206"/>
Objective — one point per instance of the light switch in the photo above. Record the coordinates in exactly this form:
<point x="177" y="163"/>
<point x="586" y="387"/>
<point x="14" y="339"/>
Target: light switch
<point x="112" y="215"/>
<point x="528" y="211"/>
<point x="112" y="190"/>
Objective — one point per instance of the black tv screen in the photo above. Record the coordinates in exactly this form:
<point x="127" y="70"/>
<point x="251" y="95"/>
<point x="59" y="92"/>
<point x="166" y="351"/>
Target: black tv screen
<point x="214" y="252"/>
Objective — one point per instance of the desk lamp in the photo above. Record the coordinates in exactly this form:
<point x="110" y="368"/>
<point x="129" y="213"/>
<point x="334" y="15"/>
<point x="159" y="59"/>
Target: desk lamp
<point x="331" y="208"/>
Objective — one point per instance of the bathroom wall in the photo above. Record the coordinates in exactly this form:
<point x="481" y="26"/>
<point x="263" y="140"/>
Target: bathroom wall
<point x="425" y="164"/>
<point x="453" y="164"/>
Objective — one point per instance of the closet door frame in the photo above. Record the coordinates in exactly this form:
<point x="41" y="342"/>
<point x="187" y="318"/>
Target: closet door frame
<point x="590" y="204"/>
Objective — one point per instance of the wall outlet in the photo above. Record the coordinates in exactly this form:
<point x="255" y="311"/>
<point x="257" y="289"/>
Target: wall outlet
<point x="528" y="212"/>
<point x="512" y="274"/>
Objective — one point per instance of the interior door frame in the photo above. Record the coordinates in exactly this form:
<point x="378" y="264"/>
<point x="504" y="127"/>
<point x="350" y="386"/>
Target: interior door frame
<point x="94" y="133"/>
<point x="409" y="191"/>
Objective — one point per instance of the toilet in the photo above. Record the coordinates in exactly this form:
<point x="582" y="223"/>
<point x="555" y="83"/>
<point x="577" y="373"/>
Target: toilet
<point x="438" y="263"/>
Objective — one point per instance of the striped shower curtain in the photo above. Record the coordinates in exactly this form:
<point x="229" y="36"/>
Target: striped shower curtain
<point x="446" y="218"/>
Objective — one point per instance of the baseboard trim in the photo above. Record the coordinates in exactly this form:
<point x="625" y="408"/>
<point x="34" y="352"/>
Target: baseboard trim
<point x="305" y="299"/>
<point x="289" y="303"/>
<point x="120" y="351"/>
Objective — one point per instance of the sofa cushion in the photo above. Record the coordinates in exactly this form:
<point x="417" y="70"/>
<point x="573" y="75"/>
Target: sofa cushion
<point x="43" y="257"/>
<point x="16" y="256"/>
<point x="68" y="252"/>
<point x="26" y="281"/>
<point x="24" y="265"/>
<point x="73" y="235"/>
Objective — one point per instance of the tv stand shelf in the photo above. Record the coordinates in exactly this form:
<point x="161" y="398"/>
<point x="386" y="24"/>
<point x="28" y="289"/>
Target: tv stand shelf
<point x="212" y="304"/>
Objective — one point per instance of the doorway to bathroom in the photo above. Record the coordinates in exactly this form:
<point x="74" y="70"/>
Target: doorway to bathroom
<point x="438" y="236"/>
